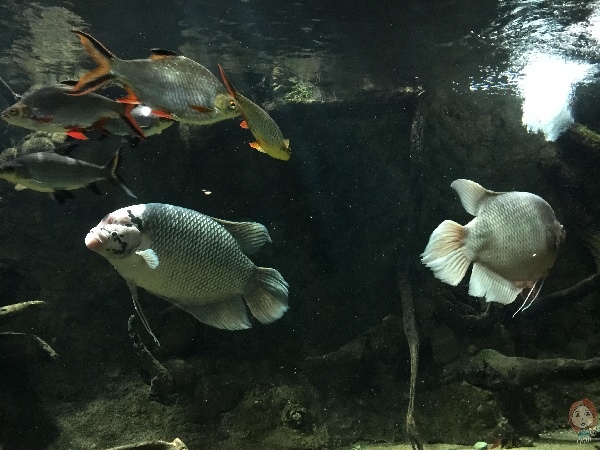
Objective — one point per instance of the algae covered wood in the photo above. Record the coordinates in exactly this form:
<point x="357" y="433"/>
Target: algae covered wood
<point x="16" y="308"/>
<point x="177" y="444"/>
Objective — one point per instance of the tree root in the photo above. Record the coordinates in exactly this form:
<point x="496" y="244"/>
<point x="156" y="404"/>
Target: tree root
<point x="404" y="267"/>
<point x="10" y="310"/>
<point x="492" y="370"/>
<point x="29" y="344"/>
<point x="161" y="382"/>
<point x="582" y="288"/>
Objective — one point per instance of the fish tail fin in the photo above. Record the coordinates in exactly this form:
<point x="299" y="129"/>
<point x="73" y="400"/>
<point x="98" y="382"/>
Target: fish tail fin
<point x="99" y="76"/>
<point x="113" y="167"/>
<point x="486" y="283"/>
<point x="130" y="121"/>
<point x="267" y="295"/>
<point x="227" y="83"/>
<point x="446" y="254"/>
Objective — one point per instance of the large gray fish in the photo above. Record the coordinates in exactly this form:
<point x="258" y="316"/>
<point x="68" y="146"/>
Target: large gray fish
<point x="512" y="243"/>
<point x="52" y="109"/>
<point x="172" y="85"/>
<point x="57" y="174"/>
<point x="194" y="261"/>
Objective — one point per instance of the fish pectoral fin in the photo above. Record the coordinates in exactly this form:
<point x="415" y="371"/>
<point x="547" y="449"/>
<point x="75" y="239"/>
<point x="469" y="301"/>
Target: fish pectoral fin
<point x="250" y="236"/>
<point x="45" y="119"/>
<point x="201" y="109"/>
<point x="229" y="314"/>
<point x="267" y="295"/>
<point x="76" y="134"/>
<point x="150" y="257"/>
<point x="487" y="283"/>
<point x="138" y="308"/>
<point x="244" y="125"/>
<point x="256" y="146"/>
<point x="164" y="114"/>
<point x="472" y="195"/>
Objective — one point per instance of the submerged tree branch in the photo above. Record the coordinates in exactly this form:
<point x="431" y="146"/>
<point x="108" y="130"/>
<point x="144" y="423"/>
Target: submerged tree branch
<point x="404" y="268"/>
<point x="177" y="444"/>
<point x="10" y="310"/>
<point x="490" y="369"/>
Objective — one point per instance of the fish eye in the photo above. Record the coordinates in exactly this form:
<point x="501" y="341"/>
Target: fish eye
<point x="232" y="104"/>
<point x="13" y="112"/>
<point x="114" y="234"/>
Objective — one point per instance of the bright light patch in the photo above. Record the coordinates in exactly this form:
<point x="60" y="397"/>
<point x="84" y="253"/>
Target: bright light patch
<point x="546" y="85"/>
<point x="145" y="111"/>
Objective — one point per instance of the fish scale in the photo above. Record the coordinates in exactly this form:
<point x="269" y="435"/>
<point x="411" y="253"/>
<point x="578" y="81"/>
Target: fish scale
<point x="524" y="234"/>
<point x="194" y="261"/>
<point x="172" y="85"/>
<point x="180" y="278"/>
<point x="512" y="243"/>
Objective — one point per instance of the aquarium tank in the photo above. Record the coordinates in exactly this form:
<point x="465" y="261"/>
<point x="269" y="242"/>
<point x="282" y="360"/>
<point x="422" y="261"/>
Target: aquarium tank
<point x="305" y="225"/>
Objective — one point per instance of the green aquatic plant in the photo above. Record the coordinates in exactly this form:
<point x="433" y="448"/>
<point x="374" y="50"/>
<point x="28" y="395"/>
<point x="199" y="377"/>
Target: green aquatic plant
<point x="302" y="92"/>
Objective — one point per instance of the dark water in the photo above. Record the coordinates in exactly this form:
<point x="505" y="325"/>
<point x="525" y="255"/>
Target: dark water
<point x="501" y="85"/>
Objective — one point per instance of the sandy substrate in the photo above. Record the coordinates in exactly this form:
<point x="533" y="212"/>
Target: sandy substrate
<point x="559" y="440"/>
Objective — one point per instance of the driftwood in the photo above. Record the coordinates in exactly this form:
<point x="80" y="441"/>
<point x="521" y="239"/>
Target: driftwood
<point x="404" y="267"/>
<point x="492" y="370"/>
<point x="17" y="345"/>
<point x="10" y="310"/>
<point x="23" y="344"/>
<point x="177" y="444"/>
<point x="584" y="287"/>
<point x="162" y="388"/>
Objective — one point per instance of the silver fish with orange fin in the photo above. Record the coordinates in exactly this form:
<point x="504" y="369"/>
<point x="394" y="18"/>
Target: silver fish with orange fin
<point x="57" y="174"/>
<point x="269" y="138"/>
<point x="53" y="110"/>
<point x="173" y="86"/>
<point x="512" y="243"/>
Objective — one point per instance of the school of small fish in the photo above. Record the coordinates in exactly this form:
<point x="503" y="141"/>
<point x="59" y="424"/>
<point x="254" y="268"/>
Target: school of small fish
<point x="199" y="263"/>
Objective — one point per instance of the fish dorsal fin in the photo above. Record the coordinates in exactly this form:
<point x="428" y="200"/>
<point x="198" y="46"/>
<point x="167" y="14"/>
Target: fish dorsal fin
<point x="227" y="83"/>
<point x="159" y="53"/>
<point x="472" y="195"/>
<point x="150" y="257"/>
<point x="250" y="236"/>
<point x="138" y="308"/>
<point x="229" y="314"/>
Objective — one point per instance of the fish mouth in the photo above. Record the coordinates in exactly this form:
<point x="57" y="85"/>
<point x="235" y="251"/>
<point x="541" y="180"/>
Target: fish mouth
<point x="96" y="239"/>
